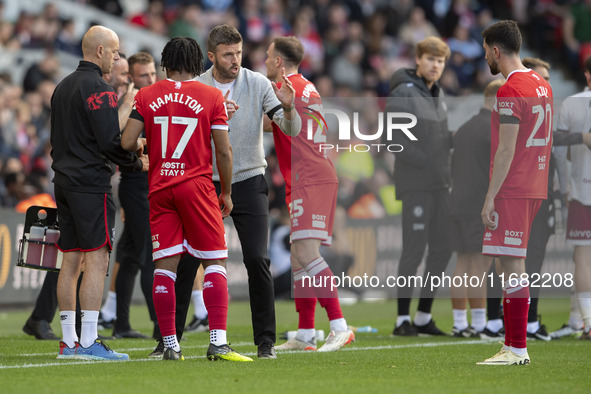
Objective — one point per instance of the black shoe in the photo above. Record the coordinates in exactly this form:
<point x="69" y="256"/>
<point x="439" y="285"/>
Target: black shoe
<point x="467" y="332"/>
<point x="159" y="351"/>
<point x="266" y="350"/>
<point x="105" y="337"/>
<point x="129" y="334"/>
<point x="540" y="334"/>
<point x="198" y="325"/>
<point x="104" y="324"/>
<point x="491" y="335"/>
<point x="429" y="329"/>
<point x="405" y="330"/>
<point x="40" y="329"/>
<point x="171" y="354"/>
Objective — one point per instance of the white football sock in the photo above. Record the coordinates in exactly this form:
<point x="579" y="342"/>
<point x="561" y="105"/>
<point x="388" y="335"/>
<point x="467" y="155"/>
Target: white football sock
<point x="218" y="337"/>
<point x="109" y="309"/>
<point x="533" y="327"/>
<point x="585" y="307"/>
<point x="494" y="325"/>
<point x="519" y="351"/>
<point x="198" y="304"/>
<point x="575" y="320"/>
<point x="306" y="334"/>
<point x="478" y="318"/>
<point x="171" y="342"/>
<point x="460" y="319"/>
<point x="89" y="330"/>
<point x="68" y="323"/>
<point x="338" y="324"/>
<point x="422" y="318"/>
<point x="401" y="319"/>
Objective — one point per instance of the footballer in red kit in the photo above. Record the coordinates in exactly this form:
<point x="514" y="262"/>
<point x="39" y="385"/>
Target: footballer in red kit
<point x="521" y="144"/>
<point x="311" y="183"/>
<point x="181" y="117"/>
<point x="525" y="99"/>
<point x="311" y="195"/>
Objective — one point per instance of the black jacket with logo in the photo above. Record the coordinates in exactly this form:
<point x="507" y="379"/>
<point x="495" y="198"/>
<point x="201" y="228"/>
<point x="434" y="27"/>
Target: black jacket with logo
<point x="85" y="132"/>
<point x="423" y="165"/>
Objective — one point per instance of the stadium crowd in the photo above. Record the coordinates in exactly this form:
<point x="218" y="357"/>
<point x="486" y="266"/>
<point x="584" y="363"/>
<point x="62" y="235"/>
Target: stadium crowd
<point x="353" y="47"/>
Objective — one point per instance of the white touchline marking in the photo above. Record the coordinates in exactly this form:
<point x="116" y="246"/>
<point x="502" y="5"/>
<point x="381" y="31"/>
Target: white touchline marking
<point x="385" y="347"/>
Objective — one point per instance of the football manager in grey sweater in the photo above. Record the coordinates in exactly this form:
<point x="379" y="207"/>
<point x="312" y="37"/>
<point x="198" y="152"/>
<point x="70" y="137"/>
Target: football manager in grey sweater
<point x="249" y="97"/>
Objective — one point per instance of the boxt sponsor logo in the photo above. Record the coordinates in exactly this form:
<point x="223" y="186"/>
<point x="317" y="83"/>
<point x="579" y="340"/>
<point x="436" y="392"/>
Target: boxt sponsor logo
<point x="394" y="122"/>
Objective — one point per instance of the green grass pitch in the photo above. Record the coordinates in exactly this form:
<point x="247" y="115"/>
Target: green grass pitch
<point x="375" y="363"/>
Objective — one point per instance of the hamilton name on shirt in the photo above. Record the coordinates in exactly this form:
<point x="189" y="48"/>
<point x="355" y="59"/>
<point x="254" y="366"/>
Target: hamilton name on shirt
<point x="176" y="98"/>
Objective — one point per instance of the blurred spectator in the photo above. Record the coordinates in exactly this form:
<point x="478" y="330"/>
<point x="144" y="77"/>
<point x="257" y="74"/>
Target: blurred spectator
<point x="13" y="179"/>
<point x="346" y="69"/>
<point x="218" y="6"/>
<point x="189" y="23"/>
<point x="577" y="35"/>
<point x="305" y="30"/>
<point x="484" y="20"/>
<point x="8" y="39"/>
<point x="252" y="24"/>
<point x="46" y="70"/>
<point x="275" y="19"/>
<point x="460" y="13"/>
<point x="8" y="123"/>
<point x="466" y="53"/>
<point x="112" y="7"/>
<point x="254" y="58"/>
<point x="324" y="86"/>
<point x="67" y="40"/>
<point x="416" y="28"/>
<point x="152" y="18"/>
<point x="545" y="25"/>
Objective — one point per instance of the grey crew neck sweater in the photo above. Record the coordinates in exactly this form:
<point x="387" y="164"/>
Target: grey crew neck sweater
<point x="255" y="96"/>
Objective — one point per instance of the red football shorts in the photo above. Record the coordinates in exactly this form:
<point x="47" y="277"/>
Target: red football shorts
<point x="578" y="224"/>
<point x="312" y="210"/>
<point x="187" y="218"/>
<point x="514" y="217"/>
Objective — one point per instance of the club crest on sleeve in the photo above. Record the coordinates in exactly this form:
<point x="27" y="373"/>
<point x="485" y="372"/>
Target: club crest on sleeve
<point x="102" y="100"/>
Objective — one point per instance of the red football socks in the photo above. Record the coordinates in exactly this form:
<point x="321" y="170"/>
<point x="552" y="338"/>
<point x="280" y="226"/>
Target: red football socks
<point x="515" y="309"/>
<point x="305" y="300"/>
<point x="164" y="303"/>
<point x="327" y="295"/>
<point x="215" y="296"/>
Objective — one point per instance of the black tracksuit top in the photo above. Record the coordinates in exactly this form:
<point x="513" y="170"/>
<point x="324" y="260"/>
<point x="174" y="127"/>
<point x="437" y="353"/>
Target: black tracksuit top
<point x="423" y="165"/>
<point x="85" y="135"/>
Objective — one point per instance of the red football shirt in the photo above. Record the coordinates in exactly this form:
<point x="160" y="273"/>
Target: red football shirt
<point x="300" y="158"/>
<point x="525" y="98"/>
<point x="178" y="119"/>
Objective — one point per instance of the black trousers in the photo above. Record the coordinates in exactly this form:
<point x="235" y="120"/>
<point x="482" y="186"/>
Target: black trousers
<point x="250" y="216"/>
<point x="425" y="221"/>
<point x="136" y="252"/>
<point x="46" y="303"/>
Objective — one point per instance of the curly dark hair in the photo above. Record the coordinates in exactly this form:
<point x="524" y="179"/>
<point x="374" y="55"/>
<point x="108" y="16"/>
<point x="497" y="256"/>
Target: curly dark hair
<point x="182" y="54"/>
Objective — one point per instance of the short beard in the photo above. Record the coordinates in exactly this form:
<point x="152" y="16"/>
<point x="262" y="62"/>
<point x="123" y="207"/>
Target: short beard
<point x="494" y="68"/>
<point x="223" y="73"/>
